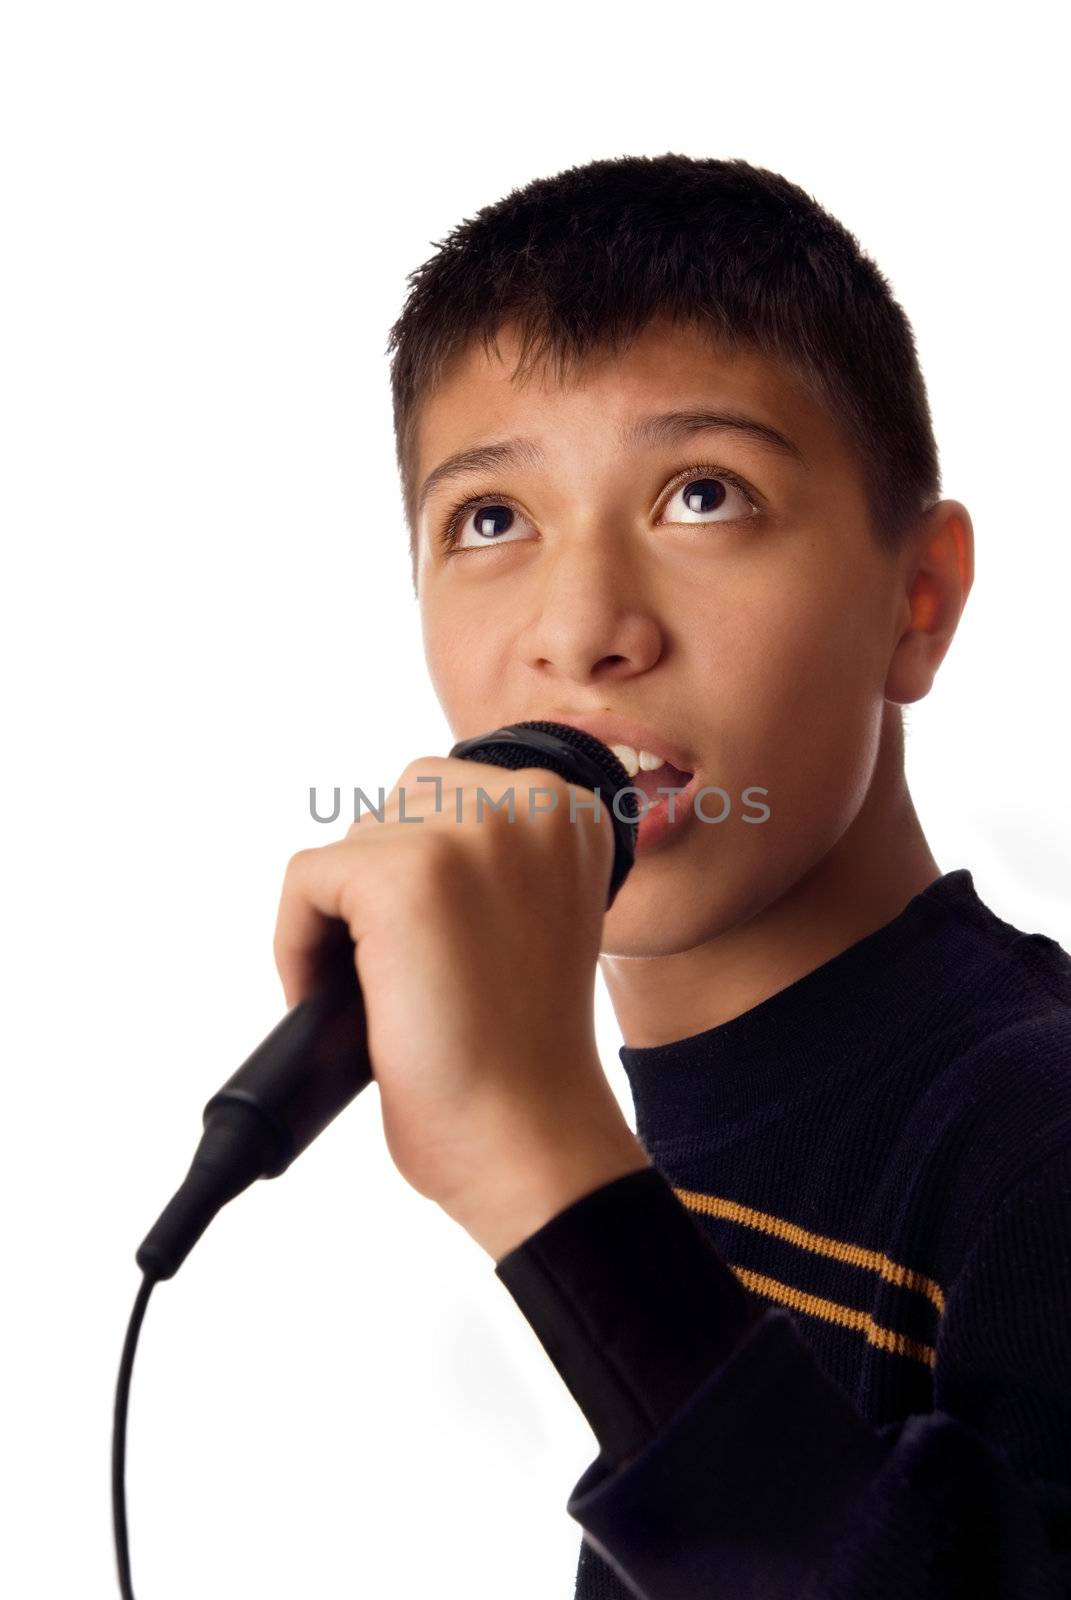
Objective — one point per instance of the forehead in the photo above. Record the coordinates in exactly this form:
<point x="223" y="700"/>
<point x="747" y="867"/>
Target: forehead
<point x="667" y="366"/>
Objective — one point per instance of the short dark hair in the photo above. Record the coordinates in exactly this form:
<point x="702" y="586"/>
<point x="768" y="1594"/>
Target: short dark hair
<point x="584" y="259"/>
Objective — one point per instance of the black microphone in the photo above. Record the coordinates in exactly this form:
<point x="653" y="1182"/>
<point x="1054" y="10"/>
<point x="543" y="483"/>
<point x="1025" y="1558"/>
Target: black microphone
<point x="315" y="1061"/>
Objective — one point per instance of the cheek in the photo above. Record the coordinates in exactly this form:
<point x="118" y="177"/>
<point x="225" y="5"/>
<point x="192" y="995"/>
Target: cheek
<point x="460" y="653"/>
<point x="803" y="676"/>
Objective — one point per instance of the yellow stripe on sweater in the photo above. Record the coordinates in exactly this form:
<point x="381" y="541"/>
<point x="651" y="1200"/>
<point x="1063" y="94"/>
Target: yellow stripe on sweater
<point x="886" y="1339"/>
<point x="855" y="1255"/>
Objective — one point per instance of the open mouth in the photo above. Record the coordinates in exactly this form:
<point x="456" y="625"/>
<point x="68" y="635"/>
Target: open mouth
<point x="667" y="776"/>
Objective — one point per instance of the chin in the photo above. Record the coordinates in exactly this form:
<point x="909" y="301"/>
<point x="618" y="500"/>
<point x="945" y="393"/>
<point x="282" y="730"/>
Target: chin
<point x="656" y="924"/>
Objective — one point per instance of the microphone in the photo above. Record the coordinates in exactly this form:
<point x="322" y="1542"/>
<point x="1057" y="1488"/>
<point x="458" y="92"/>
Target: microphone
<point x="315" y="1061"/>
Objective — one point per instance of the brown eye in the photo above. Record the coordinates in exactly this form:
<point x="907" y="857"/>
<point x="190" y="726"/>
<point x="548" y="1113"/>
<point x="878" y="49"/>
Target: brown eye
<point x="488" y="522"/>
<point x="707" y="499"/>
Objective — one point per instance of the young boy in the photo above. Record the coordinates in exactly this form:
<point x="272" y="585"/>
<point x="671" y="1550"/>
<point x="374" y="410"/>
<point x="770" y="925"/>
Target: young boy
<point x="669" y="476"/>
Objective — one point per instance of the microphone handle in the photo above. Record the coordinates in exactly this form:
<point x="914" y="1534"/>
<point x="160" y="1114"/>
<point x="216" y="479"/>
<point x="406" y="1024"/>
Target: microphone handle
<point x="311" y="1064"/>
<point x="309" y="1068"/>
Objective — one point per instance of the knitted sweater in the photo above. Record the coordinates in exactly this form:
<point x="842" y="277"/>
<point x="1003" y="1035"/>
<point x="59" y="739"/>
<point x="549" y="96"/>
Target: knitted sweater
<point x="824" y="1340"/>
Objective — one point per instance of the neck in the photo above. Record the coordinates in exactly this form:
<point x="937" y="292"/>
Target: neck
<point x="876" y="867"/>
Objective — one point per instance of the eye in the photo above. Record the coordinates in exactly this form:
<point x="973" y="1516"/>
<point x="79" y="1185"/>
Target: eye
<point x="705" y="496"/>
<point x="478" y="523"/>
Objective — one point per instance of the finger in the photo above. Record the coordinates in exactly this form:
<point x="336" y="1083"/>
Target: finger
<point x="311" y="916"/>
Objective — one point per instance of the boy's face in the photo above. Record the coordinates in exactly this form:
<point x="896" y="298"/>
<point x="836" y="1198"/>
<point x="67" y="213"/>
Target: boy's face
<point x="758" y="642"/>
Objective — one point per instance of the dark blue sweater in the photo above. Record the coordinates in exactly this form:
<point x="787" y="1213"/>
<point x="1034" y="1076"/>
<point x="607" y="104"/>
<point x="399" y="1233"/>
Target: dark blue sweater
<point x="824" y="1341"/>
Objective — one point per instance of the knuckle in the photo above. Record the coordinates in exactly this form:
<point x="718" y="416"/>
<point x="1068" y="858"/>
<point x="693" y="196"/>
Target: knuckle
<point x="428" y="765"/>
<point x="297" y="865"/>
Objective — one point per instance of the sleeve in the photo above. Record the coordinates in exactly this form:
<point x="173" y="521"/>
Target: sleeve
<point x="632" y="1303"/>
<point x="762" y="1479"/>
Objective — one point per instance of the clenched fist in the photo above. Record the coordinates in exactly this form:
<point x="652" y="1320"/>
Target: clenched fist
<point x="476" y="945"/>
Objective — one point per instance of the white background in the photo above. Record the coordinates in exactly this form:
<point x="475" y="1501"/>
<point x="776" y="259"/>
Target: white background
<point x="209" y="211"/>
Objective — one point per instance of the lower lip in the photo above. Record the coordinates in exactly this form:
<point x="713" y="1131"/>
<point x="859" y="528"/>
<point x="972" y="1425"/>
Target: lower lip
<point x="656" y="827"/>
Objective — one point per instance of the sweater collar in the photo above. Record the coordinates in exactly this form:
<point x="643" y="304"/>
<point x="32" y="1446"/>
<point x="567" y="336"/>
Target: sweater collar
<point x="877" y="998"/>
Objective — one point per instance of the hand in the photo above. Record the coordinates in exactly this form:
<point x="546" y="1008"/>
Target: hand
<point x="476" y="949"/>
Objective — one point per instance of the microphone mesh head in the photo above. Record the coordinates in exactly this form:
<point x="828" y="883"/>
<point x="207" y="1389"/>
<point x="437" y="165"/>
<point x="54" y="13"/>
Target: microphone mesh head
<point x="504" y="749"/>
<point x="616" y="775"/>
<point x="579" y="758"/>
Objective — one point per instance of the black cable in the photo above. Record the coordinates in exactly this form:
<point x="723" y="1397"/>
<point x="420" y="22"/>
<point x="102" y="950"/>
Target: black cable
<point x="122" y="1396"/>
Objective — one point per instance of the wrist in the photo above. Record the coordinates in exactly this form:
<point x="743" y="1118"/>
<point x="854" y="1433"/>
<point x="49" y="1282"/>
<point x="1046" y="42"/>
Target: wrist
<point x="540" y="1174"/>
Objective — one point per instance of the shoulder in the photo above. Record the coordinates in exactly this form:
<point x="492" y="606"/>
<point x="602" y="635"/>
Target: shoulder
<point x="1000" y="1034"/>
<point x="997" y="1115"/>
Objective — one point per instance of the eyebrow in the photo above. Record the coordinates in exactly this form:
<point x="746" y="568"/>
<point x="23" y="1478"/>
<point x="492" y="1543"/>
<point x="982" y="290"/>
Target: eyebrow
<point x="659" y="428"/>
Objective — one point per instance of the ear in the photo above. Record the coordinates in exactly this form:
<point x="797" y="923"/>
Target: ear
<point x="936" y="577"/>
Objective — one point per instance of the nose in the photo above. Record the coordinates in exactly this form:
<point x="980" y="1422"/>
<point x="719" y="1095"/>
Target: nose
<point x="593" y="618"/>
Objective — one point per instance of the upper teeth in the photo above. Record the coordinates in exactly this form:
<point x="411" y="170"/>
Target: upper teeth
<point x="635" y="761"/>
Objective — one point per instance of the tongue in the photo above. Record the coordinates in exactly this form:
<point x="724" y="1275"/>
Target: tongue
<point x="666" y="776"/>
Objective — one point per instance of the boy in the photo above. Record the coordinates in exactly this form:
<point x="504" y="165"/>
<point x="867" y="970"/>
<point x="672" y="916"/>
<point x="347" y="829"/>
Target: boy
<point x="816" y="1309"/>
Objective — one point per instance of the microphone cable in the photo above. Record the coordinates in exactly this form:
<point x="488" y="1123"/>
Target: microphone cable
<point x="122" y="1400"/>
